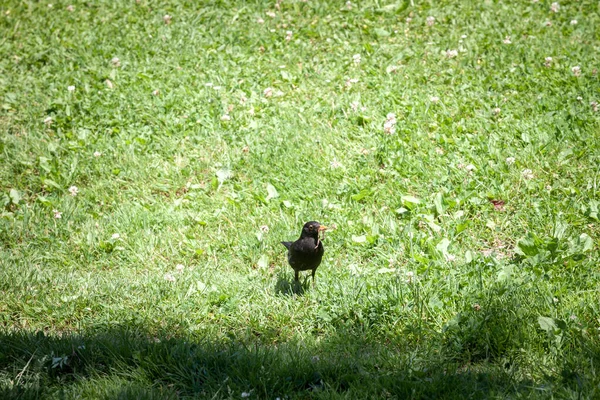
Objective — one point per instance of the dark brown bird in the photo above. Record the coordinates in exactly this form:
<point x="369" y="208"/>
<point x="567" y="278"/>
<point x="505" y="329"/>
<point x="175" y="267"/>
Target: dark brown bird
<point x="306" y="253"/>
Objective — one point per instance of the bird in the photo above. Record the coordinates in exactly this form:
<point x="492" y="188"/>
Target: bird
<point x="306" y="253"/>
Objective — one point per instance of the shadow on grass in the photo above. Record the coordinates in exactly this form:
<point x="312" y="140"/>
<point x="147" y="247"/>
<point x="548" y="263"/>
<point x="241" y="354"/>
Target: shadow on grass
<point x="126" y="363"/>
<point x="467" y="360"/>
<point x="286" y="287"/>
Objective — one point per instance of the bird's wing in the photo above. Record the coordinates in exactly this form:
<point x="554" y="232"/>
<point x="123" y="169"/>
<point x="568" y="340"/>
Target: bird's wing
<point x="287" y="244"/>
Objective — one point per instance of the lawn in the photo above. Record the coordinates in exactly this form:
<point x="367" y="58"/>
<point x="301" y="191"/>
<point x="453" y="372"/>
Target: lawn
<point x="154" y="154"/>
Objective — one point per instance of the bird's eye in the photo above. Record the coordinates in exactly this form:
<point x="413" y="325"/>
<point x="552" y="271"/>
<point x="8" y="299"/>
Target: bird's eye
<point x="310" y="227"/>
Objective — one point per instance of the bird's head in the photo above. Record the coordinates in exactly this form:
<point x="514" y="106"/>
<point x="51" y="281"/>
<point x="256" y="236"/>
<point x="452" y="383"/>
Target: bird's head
<point x="312" y="229"/>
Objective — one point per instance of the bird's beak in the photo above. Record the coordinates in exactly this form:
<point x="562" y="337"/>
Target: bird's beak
<point x="322" y="228"/>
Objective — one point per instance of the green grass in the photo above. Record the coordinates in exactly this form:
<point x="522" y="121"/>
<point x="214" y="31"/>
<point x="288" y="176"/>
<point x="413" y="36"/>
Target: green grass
<point x="427" y="290"/>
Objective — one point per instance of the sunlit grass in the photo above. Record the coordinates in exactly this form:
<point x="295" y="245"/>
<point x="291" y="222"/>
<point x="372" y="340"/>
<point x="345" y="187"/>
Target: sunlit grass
<point x="154" y="155"/>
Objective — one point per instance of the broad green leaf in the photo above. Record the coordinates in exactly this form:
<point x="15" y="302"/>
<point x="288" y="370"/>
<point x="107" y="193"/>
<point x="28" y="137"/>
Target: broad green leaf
<point x="439" y="203"/>
<point x="593" y="212"/>
<point x="468" y="256"/>
<point x="547" y="323"/>
<point x="409" y="201"/>
<point x="381" y="32"/>
<point x="528" y="246"/>
<point x="362" y="194"/>
<point x="271" y="192"/>
<point x="442" y="246"/>
<point x="586" y="242"/>
<point x="505" y="273"/>
<point x="359" y="239"/>
<point x="263" y="261"/>
<point x="15" y="196"/>
<point x="435" y="303"/>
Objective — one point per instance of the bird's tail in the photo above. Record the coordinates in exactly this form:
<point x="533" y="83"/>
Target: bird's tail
<point x="287" y="244"/>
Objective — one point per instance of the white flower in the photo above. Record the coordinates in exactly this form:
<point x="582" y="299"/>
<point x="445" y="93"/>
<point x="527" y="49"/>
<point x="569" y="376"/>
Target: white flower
<point x="439" y="151"/>
<point x="167" y="19"/>
<point x="349" y="82"/>
<point x="169" y="277"/>
<point x="576" y="70"/>
<point x="71" y="88"/>
<point x="115" y="236"/>
<point x="573" y="22"/>
<point x="245" y="394"/>
<point x="156" y="92"/>
<point x="554" y="7"/>
<point x="116" y="62"/>
<point x="268" y="92"/>
<point x="288" y="35"/>
<point x="271" y="14"/>
<point x="410" y="276"/>
<point x="463" y="36"/>
<point x="225" y="117"/>
<point x="389" y="128"/>
<point x="451" y="53"/>
<point x="109" y="84"/>
<point x="450" y="257"/>
<point x="70" y="8"/>
<point x="496" y="110"/>
<point x="507" y="40"/>
<point x="57" y="214"/>
<point x="548" y="61"/>
<point x="97" y="154"/>
<point x="180" y="268"/>
<point x="335" y="164"/>
<point x="264" y="228"/>
<point x="594" y="105"/>
<point x="548" y="23"/>
<point x="349" y="5"/>
<point x="49" y="5"/>
<point x="510" y="160"/>
<point x="73" y="190"/>
<point x="389" y="125"/>
<point x="430" y="21"/>
<point x="408" y="20"/>
<point x="527" y="174"/>
<point x="470" y="167"/>
<point x="354" y="106"/>
<point x="48" y="121"/>
<point x="434" y="99"/>
<point x="356" y="58"/>
<point x="260" y="20"/>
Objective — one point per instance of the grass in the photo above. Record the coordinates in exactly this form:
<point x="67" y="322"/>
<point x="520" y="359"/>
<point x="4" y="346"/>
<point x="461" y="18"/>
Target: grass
<point x="464" y="256"/>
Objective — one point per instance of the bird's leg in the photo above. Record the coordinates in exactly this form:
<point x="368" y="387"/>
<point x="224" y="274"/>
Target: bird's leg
<point x="296" y="277"/>
<point x="313" y="276"/>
